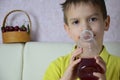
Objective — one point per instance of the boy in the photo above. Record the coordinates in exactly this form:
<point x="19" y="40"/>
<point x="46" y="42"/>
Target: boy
<point x="82" y="15"/>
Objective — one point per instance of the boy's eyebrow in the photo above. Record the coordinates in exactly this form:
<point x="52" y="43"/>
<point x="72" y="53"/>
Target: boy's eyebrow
<point x="72" y="19"/>
<point x="95" y="14"/>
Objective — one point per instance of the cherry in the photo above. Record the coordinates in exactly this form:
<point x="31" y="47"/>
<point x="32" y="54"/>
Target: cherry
<point x="11" y="28"/>
<point x="7" y="28"/>
<point x="16" y="28"/>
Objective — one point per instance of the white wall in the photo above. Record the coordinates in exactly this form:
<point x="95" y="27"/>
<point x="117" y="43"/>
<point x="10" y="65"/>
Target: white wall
<point x="47" y="19"/>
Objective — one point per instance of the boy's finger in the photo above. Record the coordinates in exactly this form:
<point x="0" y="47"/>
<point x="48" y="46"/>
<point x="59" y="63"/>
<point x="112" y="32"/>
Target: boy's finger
<point x="100" y="76"/>
<point x="74" y="63"/>
<point x="77" y="52"/>
<point x="75" y="55"/>
<point x="101" y="62"/>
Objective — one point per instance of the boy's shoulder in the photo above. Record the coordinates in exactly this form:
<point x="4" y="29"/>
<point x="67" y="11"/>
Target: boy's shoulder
<point x="64" y="57"/>
<point x="113" y="62"/>
<point x="113" y="59"/>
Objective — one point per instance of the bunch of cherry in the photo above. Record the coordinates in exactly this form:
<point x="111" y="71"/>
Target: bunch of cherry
<point x="12" y="28"/>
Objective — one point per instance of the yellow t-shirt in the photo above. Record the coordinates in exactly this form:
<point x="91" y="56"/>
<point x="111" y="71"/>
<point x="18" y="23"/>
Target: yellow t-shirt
<point x="56" y="68"/>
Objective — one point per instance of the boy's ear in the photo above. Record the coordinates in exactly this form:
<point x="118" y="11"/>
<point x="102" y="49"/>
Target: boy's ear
<point x="107" y="23"/>
<point x="67" y="29"/>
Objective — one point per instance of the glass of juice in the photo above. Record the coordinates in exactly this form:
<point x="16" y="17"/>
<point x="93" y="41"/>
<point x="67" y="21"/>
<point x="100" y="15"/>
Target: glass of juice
<point x="88" y="64"/>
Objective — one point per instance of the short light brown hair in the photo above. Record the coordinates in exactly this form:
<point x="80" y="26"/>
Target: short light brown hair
<point x="97" y="3"/>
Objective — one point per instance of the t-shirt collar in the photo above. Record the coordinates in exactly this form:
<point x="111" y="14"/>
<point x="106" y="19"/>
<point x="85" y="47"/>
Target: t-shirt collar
<point x="104" y="54"/>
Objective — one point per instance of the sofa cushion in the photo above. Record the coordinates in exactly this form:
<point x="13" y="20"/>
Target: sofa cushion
<point x="37" y="57"/>
<point x="11" y="61"/>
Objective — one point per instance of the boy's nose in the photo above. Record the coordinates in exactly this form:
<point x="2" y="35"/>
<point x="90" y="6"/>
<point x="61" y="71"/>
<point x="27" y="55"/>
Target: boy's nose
<point x="85" y="25"/>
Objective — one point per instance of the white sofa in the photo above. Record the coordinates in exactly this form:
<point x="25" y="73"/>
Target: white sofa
<point x="29" y="61"/>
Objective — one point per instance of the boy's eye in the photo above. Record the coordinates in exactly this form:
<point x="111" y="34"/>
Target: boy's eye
<point x="75" y="22"/>
<point x="92" y="19"/>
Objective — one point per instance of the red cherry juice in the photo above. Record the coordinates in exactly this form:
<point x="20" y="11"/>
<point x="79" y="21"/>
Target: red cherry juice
<point x="86" y="67"/>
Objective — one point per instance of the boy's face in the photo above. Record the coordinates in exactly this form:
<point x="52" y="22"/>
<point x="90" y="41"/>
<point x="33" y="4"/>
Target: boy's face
<point x="86" y="16"/>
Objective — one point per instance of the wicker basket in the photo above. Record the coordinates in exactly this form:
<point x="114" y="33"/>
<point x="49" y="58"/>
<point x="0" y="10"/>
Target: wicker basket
<point x="16" y="36"/>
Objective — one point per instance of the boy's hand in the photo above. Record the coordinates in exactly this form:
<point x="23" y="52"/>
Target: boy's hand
<point x="69" y="73"/>
<point x="100" y="61"/>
